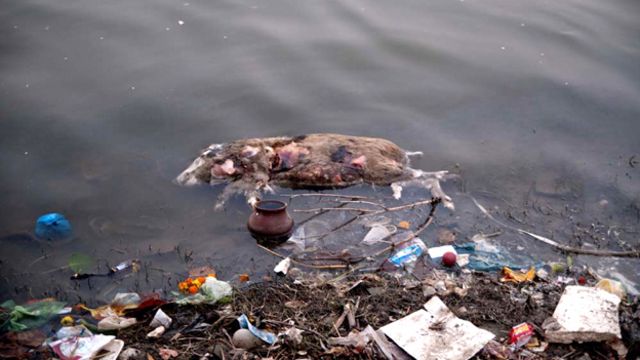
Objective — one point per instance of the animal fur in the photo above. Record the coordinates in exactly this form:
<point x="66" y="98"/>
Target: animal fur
<point x="314" y="161"/>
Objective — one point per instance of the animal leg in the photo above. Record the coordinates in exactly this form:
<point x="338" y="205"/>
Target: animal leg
<point x="228" y="191"/>
<point x="429" y="181"/>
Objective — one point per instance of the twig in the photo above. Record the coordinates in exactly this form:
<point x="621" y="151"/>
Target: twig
<point x="336" y="330"/>
<point x="351" y="317"/>
<point x="56" y="269"/>
<point x="417" y="203"/>
<point x="334" y="209"/>
<point x="419" y="230"/>
<point x="293" y="196"/>
<point x="341" y="319"/>
<point x="364" y="202"/>
<point x="322" y="337"/>
<point x="370" y="211"/>
<point x="558" y="246"/>
<point x="320" y="267"/>
<point x="346" y="223"/>
<point x="39" y="259"/>
<point x="364" y="213"/>
<point x="316" y="215"/>
<point x="345" y="274"/>
<point x="573" y="250"/>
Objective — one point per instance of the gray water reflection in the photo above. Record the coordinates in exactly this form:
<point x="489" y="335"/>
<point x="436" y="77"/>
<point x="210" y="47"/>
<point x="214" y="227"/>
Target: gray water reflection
<point x="103" y="103"/>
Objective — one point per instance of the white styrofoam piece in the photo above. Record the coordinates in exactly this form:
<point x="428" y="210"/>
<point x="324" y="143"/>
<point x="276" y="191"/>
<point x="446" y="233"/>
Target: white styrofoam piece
<point x="584" y="314"/>
<point x="436" y="333"/>
<point x="438" y="252"/>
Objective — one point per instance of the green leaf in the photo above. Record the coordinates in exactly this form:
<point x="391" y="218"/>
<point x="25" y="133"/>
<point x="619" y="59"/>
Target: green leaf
<point x="80" y="263"/>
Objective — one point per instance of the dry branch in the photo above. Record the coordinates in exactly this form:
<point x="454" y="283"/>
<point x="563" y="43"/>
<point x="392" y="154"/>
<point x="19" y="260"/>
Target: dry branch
<point x="311" y="266"/>
<point x="293" y="196"/>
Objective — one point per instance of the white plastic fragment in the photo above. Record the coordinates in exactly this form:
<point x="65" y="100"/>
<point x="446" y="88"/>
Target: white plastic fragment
<point x="215" y="289"/>
<point x="438" y="252"/>
<point x="157" y="332"/>
<point x="69" y="331"/>
<point x="161" y="319"/>
<point x="294" y="335"/>
<point x="130" y="354"/>
<point x="355" y="339"/>
<point x="397" y="190"/>
<point x="81" y="348"/>
<point x="296" y="242"/>
<point x="377" y="233"/>
<point x="584" y="314"/>
<point x="283" y="266"/>
<point x="115" y="323"/>
<point x="462" y="260"/>
<point x="436" y="333"/>
<point x="126" y="299"/>
<point x="112" y="350"/>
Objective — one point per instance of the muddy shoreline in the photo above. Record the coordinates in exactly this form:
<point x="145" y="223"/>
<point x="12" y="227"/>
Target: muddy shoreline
<point x="314" y="303"/>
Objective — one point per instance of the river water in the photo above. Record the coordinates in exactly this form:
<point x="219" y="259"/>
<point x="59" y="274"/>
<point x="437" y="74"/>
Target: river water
<point x="536" y="104"/>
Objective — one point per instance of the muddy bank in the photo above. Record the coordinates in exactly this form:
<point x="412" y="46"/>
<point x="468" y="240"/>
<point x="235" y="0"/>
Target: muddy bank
<point x="323" y="308"/>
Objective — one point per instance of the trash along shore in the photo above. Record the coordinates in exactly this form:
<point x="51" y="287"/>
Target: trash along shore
<point x="450" y="314"/>
<point x="335" y="292"/>
<point x="405" y="301"/>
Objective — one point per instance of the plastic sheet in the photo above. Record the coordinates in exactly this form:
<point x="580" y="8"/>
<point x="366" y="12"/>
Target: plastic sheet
<point x="481" y="260"/>
<point x="212" y="291"/>
<point x="436" y="333"/>
<point x="53" y="226"/>
<point x="265" y="336"/>
<point x="378" y="233"/>
<point x="28" y="316"/>
<point x="81" y="348"/>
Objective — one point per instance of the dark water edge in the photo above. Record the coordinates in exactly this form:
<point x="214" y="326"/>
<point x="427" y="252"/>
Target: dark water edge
<point x="534" y="104"/>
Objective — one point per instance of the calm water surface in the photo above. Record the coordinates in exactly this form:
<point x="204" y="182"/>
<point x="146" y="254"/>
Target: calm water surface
<point x="535" y="103"/>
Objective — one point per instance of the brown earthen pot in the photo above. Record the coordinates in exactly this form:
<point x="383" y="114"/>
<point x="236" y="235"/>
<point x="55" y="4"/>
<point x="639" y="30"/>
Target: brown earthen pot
<point x="270" y="223"/>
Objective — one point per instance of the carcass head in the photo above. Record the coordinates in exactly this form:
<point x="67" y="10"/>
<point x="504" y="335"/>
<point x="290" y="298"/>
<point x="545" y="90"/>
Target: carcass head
<point x="201" y="169"/>
<point x="220" y="163"/>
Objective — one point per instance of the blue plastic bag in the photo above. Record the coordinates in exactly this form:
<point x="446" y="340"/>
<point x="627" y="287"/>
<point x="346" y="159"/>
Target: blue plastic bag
<point x="481" y="260"/>
<point x="53" y="226"/>
<point x="265" y="336"/>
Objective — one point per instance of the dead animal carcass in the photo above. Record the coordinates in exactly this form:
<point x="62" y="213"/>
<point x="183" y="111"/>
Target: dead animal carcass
<point x="315" y="161"/>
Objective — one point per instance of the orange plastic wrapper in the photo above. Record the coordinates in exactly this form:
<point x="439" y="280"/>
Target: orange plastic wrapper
<point x="520" y="334"/>
<point x="243" y="277"/>
<point x="509" y="275"/>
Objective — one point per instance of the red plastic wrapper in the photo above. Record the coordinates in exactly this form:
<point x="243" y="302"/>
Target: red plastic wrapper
<point x="520" y="334"/>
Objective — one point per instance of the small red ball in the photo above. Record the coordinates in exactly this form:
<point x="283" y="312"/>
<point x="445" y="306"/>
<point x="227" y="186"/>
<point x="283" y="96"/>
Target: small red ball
<point x="449" y="259"/>
<point x="582" y="280"/>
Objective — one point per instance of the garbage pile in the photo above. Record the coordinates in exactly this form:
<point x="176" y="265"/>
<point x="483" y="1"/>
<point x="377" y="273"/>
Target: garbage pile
<point x="384" y="293"/>
<point x="452" y="313"/>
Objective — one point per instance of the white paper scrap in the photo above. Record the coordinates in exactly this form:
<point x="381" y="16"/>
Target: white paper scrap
<point x="436" y="333"/>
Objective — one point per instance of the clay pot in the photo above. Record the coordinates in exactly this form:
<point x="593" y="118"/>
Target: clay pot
<point x="270" y="223"/>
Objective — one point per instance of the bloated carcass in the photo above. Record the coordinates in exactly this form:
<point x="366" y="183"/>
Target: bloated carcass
<point x="314" y="161"/>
